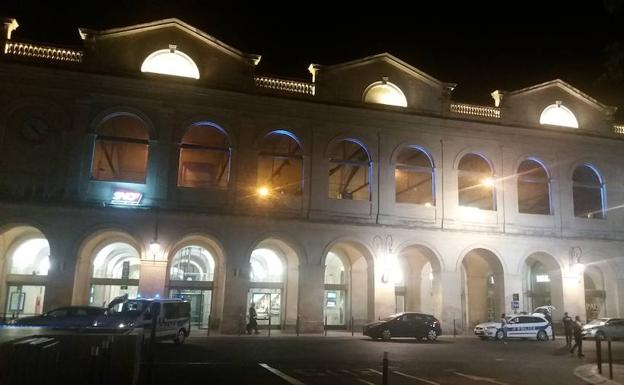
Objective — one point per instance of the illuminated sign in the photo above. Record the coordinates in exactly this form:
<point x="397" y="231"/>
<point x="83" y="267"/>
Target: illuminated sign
<point x="126" y="197"/>
<point x="542" y="278"/>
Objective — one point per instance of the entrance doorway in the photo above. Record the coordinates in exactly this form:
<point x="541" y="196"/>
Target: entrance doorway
<point x="268" y="304"/>
<point x="24" y="300"/>
<point x="335" y="299"/>
<point x="116" y="269"/>
<point x="483" y="287"/>
<point x="200" y="301"/>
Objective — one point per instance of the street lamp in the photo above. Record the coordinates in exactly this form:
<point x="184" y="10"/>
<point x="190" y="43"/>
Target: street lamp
<point x="384" y="247"/>
<point x="263" y="192"/>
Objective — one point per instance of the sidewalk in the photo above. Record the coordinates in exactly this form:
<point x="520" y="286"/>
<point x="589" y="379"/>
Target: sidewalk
<point x="589" y="373"/>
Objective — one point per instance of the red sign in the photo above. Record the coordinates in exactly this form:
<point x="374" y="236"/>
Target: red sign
<point x="126" y="197"/>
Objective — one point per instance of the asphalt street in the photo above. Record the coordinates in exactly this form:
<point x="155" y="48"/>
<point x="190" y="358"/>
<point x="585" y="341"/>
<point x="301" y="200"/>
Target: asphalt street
<point x="346" y="360"/>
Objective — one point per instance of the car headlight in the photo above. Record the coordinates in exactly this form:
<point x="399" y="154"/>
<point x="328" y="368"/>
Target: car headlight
<point x="126" y="325"/>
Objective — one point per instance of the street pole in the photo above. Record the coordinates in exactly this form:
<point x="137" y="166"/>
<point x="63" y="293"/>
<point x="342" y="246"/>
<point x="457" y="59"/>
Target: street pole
<point x="384" y="370"/>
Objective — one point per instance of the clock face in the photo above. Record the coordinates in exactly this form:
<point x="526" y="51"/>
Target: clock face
<point x="35" y="130"/>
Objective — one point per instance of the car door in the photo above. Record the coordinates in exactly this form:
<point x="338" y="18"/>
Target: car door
<point x="55" y="318"/>
<point x="529" y="326"/>
<point x="616" y="328"/>
<point x="513" y="327"/>
<point x="399" y="326"/>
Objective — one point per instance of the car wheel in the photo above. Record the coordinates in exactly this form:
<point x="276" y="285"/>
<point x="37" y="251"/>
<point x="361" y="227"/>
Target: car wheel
<point x="386" y="335"/>
<point x="542" y="336"/>
<point x="500" y="335"/>
<point x="432" y="335"/>
<point x="600" y="336"/>
<point x="180" y="337"/>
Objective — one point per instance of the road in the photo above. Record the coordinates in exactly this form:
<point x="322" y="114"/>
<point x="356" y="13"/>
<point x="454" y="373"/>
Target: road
<point x="347" y="360"/>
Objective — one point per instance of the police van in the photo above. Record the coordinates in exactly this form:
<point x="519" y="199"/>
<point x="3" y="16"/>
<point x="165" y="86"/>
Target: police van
<point x="171" y="317"/>
<point x="533" y="326"/>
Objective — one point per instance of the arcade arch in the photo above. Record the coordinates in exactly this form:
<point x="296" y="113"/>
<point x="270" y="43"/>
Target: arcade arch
<point x="483" y="286"/>
<point x="417" y="280"/>
<point x="542" y="283"/>
<point x="595" y="293"/>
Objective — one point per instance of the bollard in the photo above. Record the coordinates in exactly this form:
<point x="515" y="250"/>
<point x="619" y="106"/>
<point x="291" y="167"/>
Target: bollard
<point x="297" y="326"/>
<point x="325" y="326"/>
<point x="384" y="370"/>
<point x="454" y="329"/>
<point x="208" y="330"/>
<point x="610" y="360"/>
<point x="351" y="326"/>
<point x="599" y="355"/>
<point x="269" y="324"/>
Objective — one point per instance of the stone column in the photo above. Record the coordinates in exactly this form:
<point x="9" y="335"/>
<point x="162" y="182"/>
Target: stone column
<point x="235" y="303"/>
<point x="60" y="279"/>
<point x="574" y="294"/>
<point x="311" y="298"/>
<point x="513" y="284"/>
<point x="451" y="288"/>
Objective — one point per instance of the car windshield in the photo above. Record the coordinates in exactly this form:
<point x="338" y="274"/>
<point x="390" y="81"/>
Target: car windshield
<point x="131" y="307"/>
<point x="598" y="322"/>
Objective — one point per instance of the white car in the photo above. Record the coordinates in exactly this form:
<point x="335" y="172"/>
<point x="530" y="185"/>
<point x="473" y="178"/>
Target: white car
<point x="520" y="326"/>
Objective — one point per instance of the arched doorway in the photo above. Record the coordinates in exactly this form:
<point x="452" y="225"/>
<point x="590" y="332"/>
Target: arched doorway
<point x="274" y="282"/>
<point x="595" y="293"/>
<point x="336" y="289"/>
<point x="420" y="278"/>
<point x="483" y="287"/>
<point x="357" y="286"/>
<point x="116" y="271"/>
<point x="191" y="277"/>
<point x="542" y="283"/>
<point x="25" y="260"/>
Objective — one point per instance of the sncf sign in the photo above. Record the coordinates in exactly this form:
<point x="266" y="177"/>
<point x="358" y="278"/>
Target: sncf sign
<point x="126" y="197"/>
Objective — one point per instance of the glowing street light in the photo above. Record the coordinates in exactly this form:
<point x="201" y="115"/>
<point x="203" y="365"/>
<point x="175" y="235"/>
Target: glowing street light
<point x="488" y="182"/>
<point x="263" y="191"/>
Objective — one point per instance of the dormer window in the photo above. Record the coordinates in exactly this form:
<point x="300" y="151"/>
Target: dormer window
<point x="171" y="62"/>
<point x="558" y="115"/>
<point x="384" y="92"/>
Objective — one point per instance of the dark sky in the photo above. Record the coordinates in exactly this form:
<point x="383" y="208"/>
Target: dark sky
<point x="481" y="46"/>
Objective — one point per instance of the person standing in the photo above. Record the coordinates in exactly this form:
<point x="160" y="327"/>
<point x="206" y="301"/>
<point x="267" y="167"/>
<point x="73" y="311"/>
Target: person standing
<point x="503" y="322"/>
<point x="253" y="323"/>
<point x="568" y="328"/>
<point x="552" y="326"/>
<point x="578" y="337"/>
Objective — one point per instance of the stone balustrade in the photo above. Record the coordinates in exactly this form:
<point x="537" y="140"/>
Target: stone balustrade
<point x="284" y="85"/>
<point x="43" y="52"/>
<point x="474" y="110"/>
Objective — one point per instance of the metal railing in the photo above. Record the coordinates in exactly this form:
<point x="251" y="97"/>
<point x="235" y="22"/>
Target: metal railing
<point x="42" y="51"/>
<point x="284" y="85"/>
<point x="475" y="110"/>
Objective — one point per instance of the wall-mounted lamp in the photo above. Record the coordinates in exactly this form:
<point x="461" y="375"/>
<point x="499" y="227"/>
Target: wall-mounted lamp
<point x="154" y="244"/>
<point x="384" y="247"/>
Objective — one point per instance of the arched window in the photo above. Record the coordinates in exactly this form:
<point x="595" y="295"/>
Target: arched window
<point x="385" y="92"/>
<point x="336" y="287"/>
<point x="349" y="169"/>
<point x="587" y="192"/>
<point x="280" y="164"/>
<point x="533" y="188"/>
<point x="476" y="186"/>
<point x="170" y="62"/>
<point x="413" y="177"/>
<point x="334" y="270"/>
<point x="266" y="266"/>
<point x="558" y="115"/>
<point x="204" y="157"/>
<point x="192" y="263"/>
<point x="121" y="149"/>
<point x="31" y="257"/>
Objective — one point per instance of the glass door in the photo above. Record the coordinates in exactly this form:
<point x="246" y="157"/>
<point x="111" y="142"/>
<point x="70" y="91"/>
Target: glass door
<point x="24" y="300"/>
<point x="335" y="305"/>
<point x="200" y="301"/>
<point x="268" y="304"/>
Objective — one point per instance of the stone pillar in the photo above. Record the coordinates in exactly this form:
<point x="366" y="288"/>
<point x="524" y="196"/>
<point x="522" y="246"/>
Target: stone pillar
<point x="574" y="294"/>
<point x="385" y="302"/>
<point x="152" y="278"/>
<point x="451" y="288"/>
<point x="513" y="284"/>
<point x="60" y="279"/>
<point x="235" y="303"/>
<point x="311" y="298"/>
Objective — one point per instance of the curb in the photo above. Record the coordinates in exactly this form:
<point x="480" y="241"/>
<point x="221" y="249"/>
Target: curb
<point x="589" y="373"/>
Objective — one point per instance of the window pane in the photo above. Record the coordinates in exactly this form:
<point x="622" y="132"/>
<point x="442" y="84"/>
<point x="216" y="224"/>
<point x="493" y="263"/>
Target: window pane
<point x="472" y="193"/>
<point x="475" y="163"/>
<point x="283" y="175"/>
<point x="348" y="182"/>
<point x="413" y="187"/>
<point x="203" y="168"/>
<point x="413" y="157"/>
<point x="280" y="143"/>
<point x="124" y="126"/>
<point x="533" y="198"/>
<point x="586" y="175"/>
<point x="587" y="202"/>
<point x="119" y="161"/>
<point x="206" y="135"/>
<point x="192" y="263"/>
<point x="31" y="257"/>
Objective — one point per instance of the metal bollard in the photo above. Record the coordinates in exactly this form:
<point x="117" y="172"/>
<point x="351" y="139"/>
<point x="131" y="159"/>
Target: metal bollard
<point x="610" y="359"/>
<point x="208" y="330"/>
<point x="351" y="326"/>
<point x="384" y="370"/>
<point x="325" y="326"/>
<point x="454" y="329"/>
<point x="297" y="326"/>
<point x="269" y="325"/>
<point x="599" y="355"/>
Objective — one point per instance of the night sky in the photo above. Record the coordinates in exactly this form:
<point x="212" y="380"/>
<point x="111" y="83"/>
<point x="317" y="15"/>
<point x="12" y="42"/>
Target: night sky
<point x="504" y="45"/>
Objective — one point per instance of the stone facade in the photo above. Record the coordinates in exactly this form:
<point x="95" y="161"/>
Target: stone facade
<point x="477" y="259"/>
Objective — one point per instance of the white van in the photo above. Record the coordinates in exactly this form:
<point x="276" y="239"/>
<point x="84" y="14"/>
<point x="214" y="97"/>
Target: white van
<point x="173" y="317"/>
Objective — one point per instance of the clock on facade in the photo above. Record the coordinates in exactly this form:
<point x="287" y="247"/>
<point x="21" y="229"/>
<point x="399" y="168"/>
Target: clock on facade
<point x="35" y="130"/>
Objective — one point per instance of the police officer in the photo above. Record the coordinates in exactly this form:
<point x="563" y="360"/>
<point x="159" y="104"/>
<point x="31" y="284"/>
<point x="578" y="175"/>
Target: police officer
<point x="578" y="337"/>
<point x="253" y="324"/>
<point x="568" y="329"/>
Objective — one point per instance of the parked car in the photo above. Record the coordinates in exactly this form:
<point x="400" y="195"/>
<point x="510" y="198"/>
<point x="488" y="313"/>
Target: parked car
<point x="416" y="325"/>
<point x="520" y="326"/>
<point x="70" y="317"/>
<point x="602" y="328"/>
<point x="172" y="317"/>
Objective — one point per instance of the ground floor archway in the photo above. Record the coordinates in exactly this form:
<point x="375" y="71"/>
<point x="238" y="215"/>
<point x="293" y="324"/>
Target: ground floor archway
<point x="483" y="287"/>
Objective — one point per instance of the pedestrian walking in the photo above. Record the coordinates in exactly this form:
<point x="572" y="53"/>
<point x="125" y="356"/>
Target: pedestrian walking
<point x="568" y="328"/>
<point x="578" y="338"/>
<point x="503" y="322"/>
<point x="253" y="323"/>
<point x="552" y="326"/>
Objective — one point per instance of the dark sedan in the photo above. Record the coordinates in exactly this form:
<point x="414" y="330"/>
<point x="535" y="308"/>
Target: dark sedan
<point x="65" y="317"/>
<point x="415" y="325"/>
